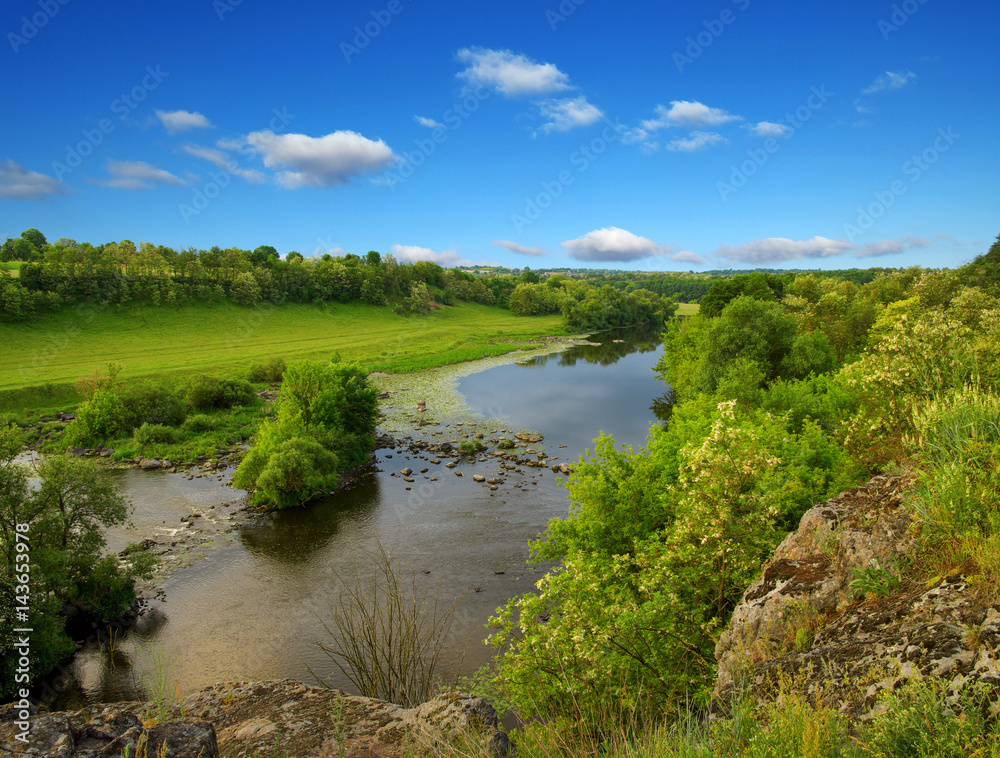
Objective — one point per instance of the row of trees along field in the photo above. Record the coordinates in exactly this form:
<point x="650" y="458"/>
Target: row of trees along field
<point x="787" y="391"/>
<point x="67" y="273"/>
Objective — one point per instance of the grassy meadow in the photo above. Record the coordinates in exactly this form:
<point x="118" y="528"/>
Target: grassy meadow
<point x="44" y="357"/>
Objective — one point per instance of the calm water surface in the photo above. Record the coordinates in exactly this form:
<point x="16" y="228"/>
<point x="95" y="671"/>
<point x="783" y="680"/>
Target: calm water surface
<point x="255" y="608"/>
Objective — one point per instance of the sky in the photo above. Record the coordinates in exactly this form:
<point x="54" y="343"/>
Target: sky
<point x="658" y="136"/>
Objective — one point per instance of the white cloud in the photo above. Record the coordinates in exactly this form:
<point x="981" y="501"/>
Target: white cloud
<point x="568" y="113"/>
<point x="769" y="129"/>
<point x="890" y="247"/>
<point x="508" y="73"/>
<point x="689" y="113"/>
<point x="519" y="249"/>
<point x="614" y="245"/>
<point x="695" y="142"/>
<point x="304" y="161"/>
<point x="775" y="249"/>
<point x="181" y="121"/>
<point x="681" y="113"/>
<point x="137" y="175"/>
<point x="412" y="254"/>
<point x="428" y="122"/>
<point x="889" y="80"/>
<point x="224" y="162"/>
<point x="686" y="256"/>
<point x="17" y="182"/>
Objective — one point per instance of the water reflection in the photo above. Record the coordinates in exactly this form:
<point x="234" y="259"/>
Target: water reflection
<point x="611" y="346"/>
<point x="295" y="535"/>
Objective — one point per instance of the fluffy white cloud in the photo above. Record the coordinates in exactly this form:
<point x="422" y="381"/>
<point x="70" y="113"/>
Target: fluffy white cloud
<point x="181" y="121"/>
<point x="136" y="175"/>
<point x="519" y="249"/>
<point x="304" y="161"/>
<point x="614" y="245"/>
<point x="775" y="249"/>
<point x="889" y="80"/>
<point x="508" y="73"/>
<point x="17" y="182"/>
<point x="224" y="162"/>
<point x="769" y="129"/>
<point x="428" y="122"/>
<point x="568" y="113"/>
<point x="689" y="113"/>
<point x="412" y="254"/>
<point x="695" y="142"/>
<point x="681" y="113"/>
<point x="686" y="256"/>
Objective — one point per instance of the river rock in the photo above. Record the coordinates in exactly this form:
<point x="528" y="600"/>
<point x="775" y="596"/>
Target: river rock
<point x="406" y="471"/>
<point x="149" y="463"/>
<point x="856" y="647"/>
<point x="528" y="437"/>
<point x="478" y="478"/>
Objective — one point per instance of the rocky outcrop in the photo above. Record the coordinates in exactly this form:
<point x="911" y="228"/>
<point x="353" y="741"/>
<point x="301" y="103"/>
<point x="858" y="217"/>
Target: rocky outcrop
<point x="256" y="718"/>
<point x="808" y="619"/>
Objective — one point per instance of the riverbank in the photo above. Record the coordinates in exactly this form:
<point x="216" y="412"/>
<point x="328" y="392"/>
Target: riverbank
<point x="46" y="356"/>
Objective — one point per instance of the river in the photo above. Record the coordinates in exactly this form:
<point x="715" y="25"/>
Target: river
<point x="257" y="602"/>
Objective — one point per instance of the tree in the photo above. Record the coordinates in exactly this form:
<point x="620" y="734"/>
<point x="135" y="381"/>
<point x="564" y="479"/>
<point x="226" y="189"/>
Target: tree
<point x="59" y="524"/>
<point x="373" y="259"/>
<point x="325" y="424"/>
<point x="245" y="289"/>
<point x="36" y="238"/>
<point x="265" y="255"/>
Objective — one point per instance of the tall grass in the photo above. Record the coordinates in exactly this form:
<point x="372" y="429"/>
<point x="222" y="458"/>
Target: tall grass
<point x="386" y="640"/>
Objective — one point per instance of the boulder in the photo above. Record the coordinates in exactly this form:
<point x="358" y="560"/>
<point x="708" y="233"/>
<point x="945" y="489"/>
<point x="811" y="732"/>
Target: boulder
<point x="804" y="620"/>
<point x="147" y="464"/>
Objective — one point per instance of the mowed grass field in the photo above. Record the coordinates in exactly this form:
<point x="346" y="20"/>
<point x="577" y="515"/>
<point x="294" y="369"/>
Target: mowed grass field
<point x="43" y="358"/>
<point x="688" y="309"/>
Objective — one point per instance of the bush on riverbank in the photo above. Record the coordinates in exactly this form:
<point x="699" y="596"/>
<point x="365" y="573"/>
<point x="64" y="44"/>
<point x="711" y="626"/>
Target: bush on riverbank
<point x="326" y="416"/>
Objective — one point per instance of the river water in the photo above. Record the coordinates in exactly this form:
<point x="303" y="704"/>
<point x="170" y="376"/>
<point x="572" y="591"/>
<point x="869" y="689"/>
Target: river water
<point x="258" y="604"/>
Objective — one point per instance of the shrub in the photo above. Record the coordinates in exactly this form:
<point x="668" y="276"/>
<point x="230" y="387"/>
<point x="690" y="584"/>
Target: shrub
<point x="270" y="371"/>
<point x="919" y="720"/>
<point x="298" y="470"/>
<point x="151" y="434"/>
<point x="471" y="447"/>
<point x="212" y="392"/>
<point x="149" y="402"/>
<point x="199" y="423"/>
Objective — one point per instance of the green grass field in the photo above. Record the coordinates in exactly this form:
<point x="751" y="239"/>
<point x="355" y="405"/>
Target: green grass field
<point x="43" y="358"/>
<point x="11" y="268"/>
<point x="688" y="309"/>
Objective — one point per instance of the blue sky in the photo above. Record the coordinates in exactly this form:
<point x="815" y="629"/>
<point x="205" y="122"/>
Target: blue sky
<point x="642" y="135"/>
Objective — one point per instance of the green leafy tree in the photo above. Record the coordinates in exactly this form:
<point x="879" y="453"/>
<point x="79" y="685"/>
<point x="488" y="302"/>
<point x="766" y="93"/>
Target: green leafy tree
<point x="62" y="519"/>
<point x="325" y="423"/>
<point x="36" y="238"/>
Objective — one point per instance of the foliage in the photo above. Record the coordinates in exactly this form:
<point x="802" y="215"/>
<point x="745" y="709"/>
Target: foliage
<point x="267" y="371"/>
<point x="920" y="720"/>
<point x="74" y="500"/>
<point x="148" y="434"/>
<point x="205" y="392"/>
<point x="658" y="548"/>
<point x="385" y="639"/>
<point x="326" y="416"/>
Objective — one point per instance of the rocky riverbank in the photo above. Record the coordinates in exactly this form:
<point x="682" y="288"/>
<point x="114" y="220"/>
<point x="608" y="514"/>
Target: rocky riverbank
<point x="251" y="719"/>
<point x="836" y="613"/>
